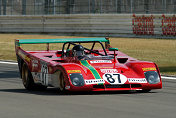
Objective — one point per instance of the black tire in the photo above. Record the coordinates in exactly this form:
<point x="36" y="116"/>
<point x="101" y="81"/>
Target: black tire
<point x="62" y="82"/>
<point x="28" y="81"/>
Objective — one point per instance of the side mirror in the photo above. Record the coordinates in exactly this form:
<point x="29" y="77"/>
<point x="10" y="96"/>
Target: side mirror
<point x="113" y="49"/>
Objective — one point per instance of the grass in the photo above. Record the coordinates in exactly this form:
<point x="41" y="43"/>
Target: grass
<point x="160" y="51"/>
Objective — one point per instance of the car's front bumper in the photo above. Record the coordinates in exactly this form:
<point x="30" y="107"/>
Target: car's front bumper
<point x="109" y="87"/>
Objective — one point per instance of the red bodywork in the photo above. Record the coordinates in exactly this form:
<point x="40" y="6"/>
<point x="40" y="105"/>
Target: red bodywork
<point x="119" y="73"/>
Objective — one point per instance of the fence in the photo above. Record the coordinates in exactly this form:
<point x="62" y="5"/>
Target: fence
<point x="123" y="25"/>
<point x="53" y="7"/>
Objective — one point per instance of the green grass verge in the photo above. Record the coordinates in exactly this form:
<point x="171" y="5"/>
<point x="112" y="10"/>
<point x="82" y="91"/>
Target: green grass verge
<point x="160" y="51"/>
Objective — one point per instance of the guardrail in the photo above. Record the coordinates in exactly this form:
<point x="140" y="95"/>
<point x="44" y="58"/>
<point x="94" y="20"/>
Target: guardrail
<point x="124" y="25"/>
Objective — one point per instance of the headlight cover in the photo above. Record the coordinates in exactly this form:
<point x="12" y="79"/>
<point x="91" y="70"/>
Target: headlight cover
<point x="77" y="79"/>
<point x="152" y="77"/>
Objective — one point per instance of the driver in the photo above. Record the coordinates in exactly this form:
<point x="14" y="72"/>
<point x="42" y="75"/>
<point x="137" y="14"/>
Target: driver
<point x="78" y="51"/>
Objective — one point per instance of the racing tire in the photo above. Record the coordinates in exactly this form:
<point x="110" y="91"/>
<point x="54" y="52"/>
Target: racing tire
<point x="62" y="83"/>
<point x="28" y="81"/>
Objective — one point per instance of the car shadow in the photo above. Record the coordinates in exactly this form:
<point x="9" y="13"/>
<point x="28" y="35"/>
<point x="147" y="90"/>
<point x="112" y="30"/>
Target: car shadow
<point x="57" y="92"/>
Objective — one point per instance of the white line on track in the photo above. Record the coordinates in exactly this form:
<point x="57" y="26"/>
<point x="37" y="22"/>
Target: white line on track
<point x="165" y="77"/>
<point x="13" y="63"/>
<point x="4" y="62"/>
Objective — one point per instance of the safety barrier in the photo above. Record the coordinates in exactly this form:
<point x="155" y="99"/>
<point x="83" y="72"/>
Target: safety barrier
<point x="169" y="25"/>
<point x="143" y="25"/>
<point x="123" y="25"/>
<point x="160" y="25"/>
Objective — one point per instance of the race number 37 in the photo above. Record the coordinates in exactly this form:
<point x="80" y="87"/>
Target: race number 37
<point x="114" y="78"/>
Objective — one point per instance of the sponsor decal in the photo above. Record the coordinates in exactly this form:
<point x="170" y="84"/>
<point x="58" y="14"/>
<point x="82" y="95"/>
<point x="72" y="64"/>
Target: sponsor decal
<point x="91" y="68"/>
<point x="27" y="59"/>
<point x="94" y="81"/>
<point x="143" y="25"/>
<point x="101" y="61"/>
<point x="37" y="76"/>
<point x="44" y="73"/>
<point x="73" y="71"/>
<point x="34" y="63"/>
<point x="114" y="78"/>
<point x="137" y="80"/>
<point x="108" y="70"/>
<point x="21" y="54"/>
<point x="24" y="56"/>
<point x="148" y="69"/>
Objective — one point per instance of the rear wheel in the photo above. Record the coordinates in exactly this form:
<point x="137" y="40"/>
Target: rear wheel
<point x="27" y="78"/>
<point x="28" y="81"/>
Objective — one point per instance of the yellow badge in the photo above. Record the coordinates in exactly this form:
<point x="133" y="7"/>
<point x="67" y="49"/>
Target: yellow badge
<point x="24" y="56"/>
<point x="148" y="69"/>
<point x="27" y="59"/>
<point x="73" y="71"/>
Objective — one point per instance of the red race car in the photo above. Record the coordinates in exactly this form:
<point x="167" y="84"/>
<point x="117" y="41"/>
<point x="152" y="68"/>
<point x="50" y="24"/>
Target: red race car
<point x="84" y="64"/>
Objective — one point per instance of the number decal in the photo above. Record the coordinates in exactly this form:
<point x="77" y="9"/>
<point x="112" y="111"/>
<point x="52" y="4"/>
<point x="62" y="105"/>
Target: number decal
<point x="118" y="77"/>
<point x="109" y="78"/>
<point x="44" y="74"/>
<point x="114" y="78"/>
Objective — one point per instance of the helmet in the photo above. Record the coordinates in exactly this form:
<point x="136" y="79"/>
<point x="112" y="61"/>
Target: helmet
<point x="78" y="50"/>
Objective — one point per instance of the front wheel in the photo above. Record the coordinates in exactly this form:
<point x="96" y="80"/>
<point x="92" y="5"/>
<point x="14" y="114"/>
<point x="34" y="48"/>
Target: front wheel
<point x="62" y="82"/>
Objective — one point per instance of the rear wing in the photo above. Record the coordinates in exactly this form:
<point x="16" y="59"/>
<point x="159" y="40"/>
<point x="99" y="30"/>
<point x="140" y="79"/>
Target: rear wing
<point x="19" y="42"/>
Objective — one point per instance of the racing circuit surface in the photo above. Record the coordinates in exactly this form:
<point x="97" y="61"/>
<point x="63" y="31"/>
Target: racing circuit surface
<point x="16" y="102"/>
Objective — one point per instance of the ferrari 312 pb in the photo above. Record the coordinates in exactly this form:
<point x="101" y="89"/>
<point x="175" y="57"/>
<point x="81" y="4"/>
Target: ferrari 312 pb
<point x="84" y="64"/>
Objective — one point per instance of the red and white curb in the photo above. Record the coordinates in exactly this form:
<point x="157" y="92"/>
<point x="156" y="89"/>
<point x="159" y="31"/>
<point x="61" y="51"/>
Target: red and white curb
<point x="14" y="63"/>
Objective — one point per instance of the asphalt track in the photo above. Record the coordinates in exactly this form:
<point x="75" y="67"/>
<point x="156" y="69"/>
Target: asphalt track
<point x="16" y="102"/>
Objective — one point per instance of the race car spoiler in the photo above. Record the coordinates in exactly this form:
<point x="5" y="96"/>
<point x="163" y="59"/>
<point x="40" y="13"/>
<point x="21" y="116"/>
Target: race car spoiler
<point x="18" y="42"/>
